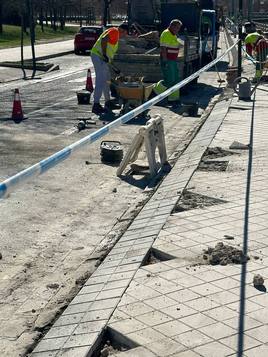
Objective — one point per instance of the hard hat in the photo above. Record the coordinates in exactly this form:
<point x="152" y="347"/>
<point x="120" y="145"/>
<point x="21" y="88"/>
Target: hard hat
<point x="252" y="38"/>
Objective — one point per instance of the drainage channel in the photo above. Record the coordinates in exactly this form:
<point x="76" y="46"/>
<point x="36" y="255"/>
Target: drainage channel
<point x="82" y="328"/>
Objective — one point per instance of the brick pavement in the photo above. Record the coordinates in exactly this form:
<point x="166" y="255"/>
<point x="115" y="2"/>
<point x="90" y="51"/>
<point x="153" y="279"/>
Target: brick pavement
<point x="193" y="310"/>
<point x="181" y="307"/>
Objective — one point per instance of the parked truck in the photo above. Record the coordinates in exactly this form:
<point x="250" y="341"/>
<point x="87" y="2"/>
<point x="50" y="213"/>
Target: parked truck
<point x="198" y="35"/>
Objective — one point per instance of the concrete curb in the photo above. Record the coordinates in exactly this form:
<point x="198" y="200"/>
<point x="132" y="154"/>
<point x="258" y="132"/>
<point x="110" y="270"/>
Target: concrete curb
<point x="41" y="58"/>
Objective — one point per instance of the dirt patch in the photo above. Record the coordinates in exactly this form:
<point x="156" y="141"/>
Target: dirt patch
<point x="156" y="256"/>
<point x="191" y="200"/>
<point x="213" y="165"/>
<point x="112" y="344"/>
<point x="224" y="254"/>
<point x="214" y="153"/>
<point x="110" y="350"/>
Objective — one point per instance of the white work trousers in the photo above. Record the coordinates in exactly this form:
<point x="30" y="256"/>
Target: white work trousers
<point x="102" y="77"/>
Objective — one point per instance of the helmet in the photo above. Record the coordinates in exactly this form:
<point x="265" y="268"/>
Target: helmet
<point x="252" y="38"/>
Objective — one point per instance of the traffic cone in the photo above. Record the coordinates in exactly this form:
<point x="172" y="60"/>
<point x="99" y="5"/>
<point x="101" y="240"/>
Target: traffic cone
<point x="89" y="84"/>
<point x="17" y="113"/>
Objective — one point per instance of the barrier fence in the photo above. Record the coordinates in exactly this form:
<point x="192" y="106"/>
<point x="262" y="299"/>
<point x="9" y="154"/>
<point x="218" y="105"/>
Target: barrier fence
<point x="39" y="168"/>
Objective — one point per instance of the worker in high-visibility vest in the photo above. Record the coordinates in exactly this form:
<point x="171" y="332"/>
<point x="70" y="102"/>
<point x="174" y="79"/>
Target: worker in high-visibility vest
<point x="102" y="53"/>
<point x="257" y="45"/>
<point x="169" y="50"/>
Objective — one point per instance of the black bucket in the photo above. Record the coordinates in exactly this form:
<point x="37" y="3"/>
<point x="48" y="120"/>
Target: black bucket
<point x="83" y="97"/>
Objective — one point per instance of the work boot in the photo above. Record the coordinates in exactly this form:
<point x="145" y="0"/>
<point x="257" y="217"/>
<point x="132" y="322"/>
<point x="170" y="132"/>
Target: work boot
<point x="98" y="109"/>
<point x="109" y="105"/>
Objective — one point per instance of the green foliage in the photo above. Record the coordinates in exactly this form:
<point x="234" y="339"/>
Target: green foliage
<point x="11" y="35"/>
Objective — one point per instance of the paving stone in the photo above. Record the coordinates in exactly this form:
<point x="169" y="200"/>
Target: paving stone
<point x="74" y="352"/>
<point x="45" y="354"/>
<point x="260" y="351"/>
<point x="88" y="327"/>
<point x="145" y="336"/>
<point x="217" y="330"/>
<point x="183" y="295"/>
<point x="160" y="302"/>
<point x="47" y="345"/>
<point x="259" y="333"/>
<point x="108" y="294"/>
<point x="135" y="309"/>
<point x="153" y="318"/>
<point x="197" y="320"/>
<point x="128" y="325"/>
<point x="61" y="331"/>
<point x="165" y="347"/>
<point x="86" y="339"/>
<point x="192" y="338"/>
<point x="104" y="304"/>
<point x="84" y="298"/>
<point x="179" y="310"/>
<point x="202" y="304"/>
<point x="232" y="342"/>
<point x="68" y="319"/>
<point x="102" y="314"/>
<point x="186" y="354"/>
<point x="172" y="328"/>
<point x="213" y="349"/>
<point x="77" y="308"/>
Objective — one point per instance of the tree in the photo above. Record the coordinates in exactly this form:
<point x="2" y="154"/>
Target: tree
<point x="1" y="16"/>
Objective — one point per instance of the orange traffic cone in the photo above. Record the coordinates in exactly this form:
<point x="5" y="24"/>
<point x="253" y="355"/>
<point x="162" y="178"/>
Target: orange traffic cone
<point x="17" y="113"/>
<point x="89" y="84"/>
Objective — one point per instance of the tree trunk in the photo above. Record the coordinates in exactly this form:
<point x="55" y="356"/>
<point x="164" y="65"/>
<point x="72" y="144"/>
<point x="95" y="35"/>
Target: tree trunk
<point x="41" y="16"/>
<point x="1" y="16"/>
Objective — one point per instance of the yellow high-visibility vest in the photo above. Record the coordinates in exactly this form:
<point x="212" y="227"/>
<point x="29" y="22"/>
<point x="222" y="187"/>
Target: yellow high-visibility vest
<point x="112" y="45"/>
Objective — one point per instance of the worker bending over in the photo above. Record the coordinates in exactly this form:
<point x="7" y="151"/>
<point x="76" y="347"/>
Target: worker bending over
<point x="169" y="50"/>
<point x="257" y="45"/>
<point x="102" y="54"/>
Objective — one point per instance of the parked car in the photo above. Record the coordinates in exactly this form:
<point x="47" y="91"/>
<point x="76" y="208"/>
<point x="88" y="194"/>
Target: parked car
<point x="86" y="37"/>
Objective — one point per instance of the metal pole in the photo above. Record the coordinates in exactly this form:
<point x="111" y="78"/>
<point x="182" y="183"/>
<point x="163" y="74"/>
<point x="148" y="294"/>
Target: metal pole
<point x="80" y="10"/>
<point x="29" y="8"/>
<point x="250" y="4"/>
<point x="240" y="17"/>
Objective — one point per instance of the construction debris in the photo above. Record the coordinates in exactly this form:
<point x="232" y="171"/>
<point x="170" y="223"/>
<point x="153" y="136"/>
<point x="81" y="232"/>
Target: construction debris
<point x="224" y="254"/>
<point x="258" y="280"/>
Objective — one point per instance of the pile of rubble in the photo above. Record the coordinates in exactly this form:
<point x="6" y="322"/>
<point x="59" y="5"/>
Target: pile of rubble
<point x="224" y="254"/>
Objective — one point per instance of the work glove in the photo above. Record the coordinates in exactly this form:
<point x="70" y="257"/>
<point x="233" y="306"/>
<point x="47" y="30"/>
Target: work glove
<point x="105" y="58"/>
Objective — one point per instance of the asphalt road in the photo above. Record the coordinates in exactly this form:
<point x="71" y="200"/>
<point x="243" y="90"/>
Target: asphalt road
<point x="53" y="228"/>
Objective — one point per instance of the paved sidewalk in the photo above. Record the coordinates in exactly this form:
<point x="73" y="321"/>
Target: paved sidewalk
<point x="178" y="305"/>
<point x="180" y="308"/>
<point x="44" y="50"/>
<point x="48" y="50"/>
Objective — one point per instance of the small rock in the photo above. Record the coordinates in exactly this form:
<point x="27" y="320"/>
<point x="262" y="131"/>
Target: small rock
<point x="258" y="280"/>
<point x="33" y="311"/>
<point x="115" y="190"/>
<point x="226" y="236"/>
<point x="1" y="257"/>
<point x="53" y="286"/>
<point x="105" y="352"/>
<point x="148" y="275"/>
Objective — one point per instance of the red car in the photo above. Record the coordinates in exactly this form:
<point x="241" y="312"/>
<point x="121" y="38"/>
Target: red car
<point x="86" y="37"/>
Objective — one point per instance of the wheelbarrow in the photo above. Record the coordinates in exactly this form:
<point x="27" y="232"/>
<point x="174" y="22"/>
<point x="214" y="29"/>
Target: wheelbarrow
<point x="132" y="92"/>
